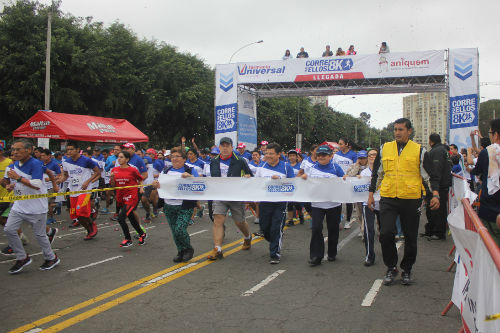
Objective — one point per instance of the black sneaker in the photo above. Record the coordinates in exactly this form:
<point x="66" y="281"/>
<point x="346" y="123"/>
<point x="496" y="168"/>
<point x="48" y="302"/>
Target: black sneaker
<point x="405" y="278"/>
<point x="52" y="235"/>
<point x="314" y="261"/>
<point x="274" y="260"/>
<point x="8" y="251"/>
<point x="49" y="264"/>
<point x="178" y="257"/>
<point x="19" y="265"/>
<point x="187" y="254"/>
<point x="390" y="275"/>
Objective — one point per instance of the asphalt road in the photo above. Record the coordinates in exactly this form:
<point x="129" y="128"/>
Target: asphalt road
<point x="100" y="287"/>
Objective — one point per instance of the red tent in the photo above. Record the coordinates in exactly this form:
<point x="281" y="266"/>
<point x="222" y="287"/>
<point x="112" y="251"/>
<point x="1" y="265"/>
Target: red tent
<point x="77" y="127"/>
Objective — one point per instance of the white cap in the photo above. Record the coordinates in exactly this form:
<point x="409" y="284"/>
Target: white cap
<point x="167" y="153"/>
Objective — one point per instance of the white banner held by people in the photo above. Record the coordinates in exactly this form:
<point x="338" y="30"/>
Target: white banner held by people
<point x="264" y="189"/>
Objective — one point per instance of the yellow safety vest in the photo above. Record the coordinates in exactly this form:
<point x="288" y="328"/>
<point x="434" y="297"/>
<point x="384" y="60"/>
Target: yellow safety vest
<point x="402" y="177"/>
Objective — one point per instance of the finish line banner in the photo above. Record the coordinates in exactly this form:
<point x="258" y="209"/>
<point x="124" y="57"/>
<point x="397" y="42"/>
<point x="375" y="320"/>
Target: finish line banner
<point x="265" y="189"/>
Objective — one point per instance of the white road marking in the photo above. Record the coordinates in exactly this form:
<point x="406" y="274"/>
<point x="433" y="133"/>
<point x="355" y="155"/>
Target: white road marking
<point x="198" y="232"/>
<point x="93" y="264"/>
<point x="370" y="297"/>
<point x="31" y="255"/>
<point x="263" y="283"/>
<point x="34" y="330"/>
<point x="166" y="275"/>
<point x="108" y="226"/>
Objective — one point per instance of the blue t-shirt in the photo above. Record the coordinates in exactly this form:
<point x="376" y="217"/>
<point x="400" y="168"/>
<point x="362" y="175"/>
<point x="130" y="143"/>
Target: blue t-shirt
<point x="137" y="162"/>
<point x="457" y="169"/>
<point x="295" y="168"/>
<point x="110" y="162"/>
<point x="55" y="168"/>
<point x="345" y="160"/>
<point x="159" y="165"/>
<point x="282" y="169"/>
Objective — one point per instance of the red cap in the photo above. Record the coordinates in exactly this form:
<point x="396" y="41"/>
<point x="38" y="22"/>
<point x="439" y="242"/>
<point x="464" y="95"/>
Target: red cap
<point x="262" y="143"/>
<point x="128" y="145"/>
<point x="151" y="151"/>
<point x="242" y="145"/>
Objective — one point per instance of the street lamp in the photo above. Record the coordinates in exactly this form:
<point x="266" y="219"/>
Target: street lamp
<point x="241" y="48"/>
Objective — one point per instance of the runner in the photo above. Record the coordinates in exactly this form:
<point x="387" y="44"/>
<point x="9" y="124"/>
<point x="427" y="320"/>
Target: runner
<point x="28" y="175"/>
<point x="178" y="212"/>
<point x="150" y="195"/>
<point x="294" y="206"/>
<point x="242" y="152"/>
<point x="345" y="157"/>
<point x="81" y="172"/>
<point x="50" y="164"/>
<point x="227" y="164"/>
<point x="128" y="198"/>
<point x="331" y="210"/>
<point x="272" y="214"/>
<point x="194" y="162"/>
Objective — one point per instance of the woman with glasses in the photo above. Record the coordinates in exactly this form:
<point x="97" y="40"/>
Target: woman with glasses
<point x="178" y="212"/>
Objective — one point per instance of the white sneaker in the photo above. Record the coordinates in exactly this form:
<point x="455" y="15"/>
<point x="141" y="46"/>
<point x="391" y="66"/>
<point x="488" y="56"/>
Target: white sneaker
<point x="347" y="225"/>
<point x="256" y="221"/>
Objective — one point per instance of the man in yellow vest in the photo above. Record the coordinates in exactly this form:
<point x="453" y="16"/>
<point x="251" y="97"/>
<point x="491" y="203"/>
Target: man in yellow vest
<point x="399" y="173"/>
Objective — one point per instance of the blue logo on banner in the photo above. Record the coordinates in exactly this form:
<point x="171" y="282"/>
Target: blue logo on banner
<point x="225" y="118"/>
<point x="226" y="81"/>
<point x="463" y="69"/>
<point x="328" y="65"/>
<point x="283" y="188"/>
<point x="361" y="188"/>
<point x="195" y="187"/>
<point x="463" y="111"/>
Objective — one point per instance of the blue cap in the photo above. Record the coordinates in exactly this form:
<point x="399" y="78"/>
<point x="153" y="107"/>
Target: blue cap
<point x="148" y="160"/>
<point x="362" y="153"/>
<point x="215" y="151"/>
<point x="324" y="149"/>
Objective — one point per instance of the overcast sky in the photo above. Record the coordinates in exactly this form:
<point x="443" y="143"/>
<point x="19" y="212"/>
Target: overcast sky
<point x="215" y="29"/>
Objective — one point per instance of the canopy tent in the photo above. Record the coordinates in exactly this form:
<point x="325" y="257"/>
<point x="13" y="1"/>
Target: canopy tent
<point x="77" y="127"/>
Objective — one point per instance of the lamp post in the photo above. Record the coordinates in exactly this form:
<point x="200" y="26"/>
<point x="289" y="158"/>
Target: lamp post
<point x="241" y="48"/>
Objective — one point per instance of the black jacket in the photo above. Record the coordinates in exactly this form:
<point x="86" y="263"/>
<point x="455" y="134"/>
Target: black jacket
<point x="238" y="167"/>
<point x="438" y="166"/>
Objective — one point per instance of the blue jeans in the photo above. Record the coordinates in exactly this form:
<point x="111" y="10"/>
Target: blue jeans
<point x="271" y="219"/>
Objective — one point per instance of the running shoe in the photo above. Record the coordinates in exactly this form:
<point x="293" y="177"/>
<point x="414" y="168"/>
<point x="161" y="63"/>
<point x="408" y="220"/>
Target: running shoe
<point x="274" y="260"/>
<point x="19" y="265"/>
<point x="8" y="251"/>
<point x="126" y="243"/>
<point x="215" y="254"/>
<point x="390" y="275"/>
<point x="147" y="219"/>
<point x="154" y="214"/>
<point x="93" y="233"/>
<point x="75" y="224"/>
<point x="51" y="220"/>
<point x="142" y="239"/>
<point x="405" y="278"/>
<point x="114" y="217"/>
<point x="52" y="235"/>
<point x="49" y="264"/>
<point x="247" y="243"/>
<point x="259" y="233"/>
<point x="191" y="222"/>
<point x="104" y="211"/>
<point x="347" y="225"/>
<point x="187" y="254"/>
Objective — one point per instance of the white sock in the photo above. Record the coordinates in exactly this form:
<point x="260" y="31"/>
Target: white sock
<point x="218" y="248"/>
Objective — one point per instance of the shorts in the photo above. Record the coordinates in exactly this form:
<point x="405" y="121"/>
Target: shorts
<point x="80" y="206"/>
<point x="148" y="190"/>
<point x="4" y="209"/>
<point x="237" y="209"/>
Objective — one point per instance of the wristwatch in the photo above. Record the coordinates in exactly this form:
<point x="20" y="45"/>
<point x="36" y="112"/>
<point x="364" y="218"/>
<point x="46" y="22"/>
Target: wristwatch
<point x="436" y="196"/>
<point x="19" y="179"/>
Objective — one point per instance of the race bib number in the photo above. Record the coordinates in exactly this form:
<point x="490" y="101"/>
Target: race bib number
<point x="76" y="181"/>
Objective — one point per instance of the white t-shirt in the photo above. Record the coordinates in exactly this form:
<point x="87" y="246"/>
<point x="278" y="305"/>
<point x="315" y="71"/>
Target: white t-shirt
<point x="79" y="171"/>
<point x="32" y="170"/>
